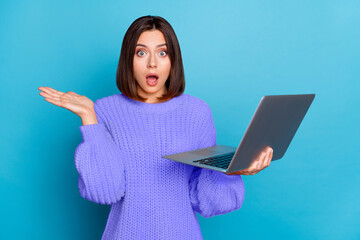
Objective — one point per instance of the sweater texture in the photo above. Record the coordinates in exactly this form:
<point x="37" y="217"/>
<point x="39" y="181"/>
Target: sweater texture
<point x="120" y="164"/>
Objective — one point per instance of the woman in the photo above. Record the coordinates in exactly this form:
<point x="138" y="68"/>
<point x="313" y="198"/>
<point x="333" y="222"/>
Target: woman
<point x="124" y="136"/>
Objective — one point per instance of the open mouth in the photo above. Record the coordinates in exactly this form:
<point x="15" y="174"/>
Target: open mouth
<point x="152" y="78"/>
<point x="152" y="75"/>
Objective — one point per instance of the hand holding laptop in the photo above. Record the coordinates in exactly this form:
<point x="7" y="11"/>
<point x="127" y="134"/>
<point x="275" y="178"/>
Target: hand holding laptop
<point x="272" y="127"/>
<point x="260" y="164"/>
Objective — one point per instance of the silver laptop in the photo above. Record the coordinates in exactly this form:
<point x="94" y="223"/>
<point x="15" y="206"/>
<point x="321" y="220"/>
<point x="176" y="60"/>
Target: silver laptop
<point x="273" y="124"/>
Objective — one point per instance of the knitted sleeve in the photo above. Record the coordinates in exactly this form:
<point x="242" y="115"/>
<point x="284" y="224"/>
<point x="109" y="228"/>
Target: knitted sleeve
<point x="99" y="162"/>
<point x="212" y="192"/>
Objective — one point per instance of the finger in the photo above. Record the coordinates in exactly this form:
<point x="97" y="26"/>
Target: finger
<point x="256" y="162"/>
<point x="54" y="91"/>
<point x="263" y="160"/>
<point x="60" y="95"/>
<point x="53" y="101"/>
<point x="252" y="173"/>
<point x="44" y="89"/>
<point x="254" y="167"/>
<point x="50" y="92"/>
<point x="242" y="172"/>
<point x="270" y="158"/>
<point x="46" y="95"/>
<point x="260" y="164"/>
<point x="267" y="160"/>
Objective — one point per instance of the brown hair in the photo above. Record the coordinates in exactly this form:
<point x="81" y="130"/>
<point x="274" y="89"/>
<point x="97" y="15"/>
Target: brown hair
<point x="125" y="80"/>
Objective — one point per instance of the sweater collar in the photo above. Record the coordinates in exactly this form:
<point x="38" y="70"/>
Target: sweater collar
<point x="154" y="107"/>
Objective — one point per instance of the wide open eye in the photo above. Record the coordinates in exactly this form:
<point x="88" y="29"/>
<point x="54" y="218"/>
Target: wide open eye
<point x="162" y="53"/>
<point x="140" y="53"/>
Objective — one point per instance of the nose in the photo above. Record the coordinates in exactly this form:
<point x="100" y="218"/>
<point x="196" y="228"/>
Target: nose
<point x="152" y="61"/>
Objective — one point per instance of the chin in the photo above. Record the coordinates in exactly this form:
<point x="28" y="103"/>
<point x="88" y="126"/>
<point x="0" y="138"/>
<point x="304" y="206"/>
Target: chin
<point x="152" y="90"/>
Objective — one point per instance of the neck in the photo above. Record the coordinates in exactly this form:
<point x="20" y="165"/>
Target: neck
<point x="152" y="97"/>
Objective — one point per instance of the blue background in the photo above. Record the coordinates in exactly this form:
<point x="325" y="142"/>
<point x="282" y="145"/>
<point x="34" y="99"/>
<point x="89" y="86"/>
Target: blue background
<point x="234" y="52"/>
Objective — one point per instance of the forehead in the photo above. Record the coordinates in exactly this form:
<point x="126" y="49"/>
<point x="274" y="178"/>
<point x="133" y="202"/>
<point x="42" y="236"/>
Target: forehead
<point x="151" y="38"/>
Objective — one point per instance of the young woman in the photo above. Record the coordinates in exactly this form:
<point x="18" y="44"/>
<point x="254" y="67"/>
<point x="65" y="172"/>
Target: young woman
<point x="124" y="136"/>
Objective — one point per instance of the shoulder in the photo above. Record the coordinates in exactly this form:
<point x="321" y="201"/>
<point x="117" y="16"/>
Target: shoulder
<point x="106" y="100"/>
<point x="197" y="102"/>
<point x="200" y="110"/>
<point x="107" y="103"/>
<point x="198" y="105"/>
<point x="201" y="115"/>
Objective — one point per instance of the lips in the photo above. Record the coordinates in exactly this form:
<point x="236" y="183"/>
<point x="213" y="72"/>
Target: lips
<point x="153" y="75"/>
<point x="151" y="79"/>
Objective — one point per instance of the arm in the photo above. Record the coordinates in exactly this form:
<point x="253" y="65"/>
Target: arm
<point x="212" y="192"/>
<point x="99" y="162"/>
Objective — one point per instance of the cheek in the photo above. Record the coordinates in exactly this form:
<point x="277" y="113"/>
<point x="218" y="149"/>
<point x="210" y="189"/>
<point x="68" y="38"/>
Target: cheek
<point x="137" y="67"/>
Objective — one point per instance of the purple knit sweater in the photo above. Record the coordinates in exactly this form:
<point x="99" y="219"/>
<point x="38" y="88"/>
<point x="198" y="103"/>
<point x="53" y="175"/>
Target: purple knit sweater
<point x="119" y="164"/>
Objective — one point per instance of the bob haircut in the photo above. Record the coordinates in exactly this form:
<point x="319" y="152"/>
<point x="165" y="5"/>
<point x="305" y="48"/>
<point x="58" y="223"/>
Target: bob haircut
<point x="125" y="80"/>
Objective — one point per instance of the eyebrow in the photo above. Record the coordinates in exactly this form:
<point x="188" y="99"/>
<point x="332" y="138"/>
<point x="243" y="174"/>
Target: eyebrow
<point x="143" y="45"/>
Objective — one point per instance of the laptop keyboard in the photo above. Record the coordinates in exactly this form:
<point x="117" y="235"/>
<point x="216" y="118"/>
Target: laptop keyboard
<point x="220" y="161"/>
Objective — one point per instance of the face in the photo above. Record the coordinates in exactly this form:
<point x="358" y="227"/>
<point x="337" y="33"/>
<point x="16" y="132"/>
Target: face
<point x="151" y="58"/>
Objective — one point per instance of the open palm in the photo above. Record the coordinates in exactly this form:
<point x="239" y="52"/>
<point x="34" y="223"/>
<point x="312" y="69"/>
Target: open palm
<point x="78" y="104"/>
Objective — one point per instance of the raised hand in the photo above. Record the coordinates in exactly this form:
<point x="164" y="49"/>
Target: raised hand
<point x="260" y="164"/>
<point x="78" y="104"/>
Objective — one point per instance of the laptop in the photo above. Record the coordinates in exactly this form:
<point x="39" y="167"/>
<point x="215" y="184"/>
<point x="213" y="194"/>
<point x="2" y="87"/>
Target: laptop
<point x="274" y="124"/>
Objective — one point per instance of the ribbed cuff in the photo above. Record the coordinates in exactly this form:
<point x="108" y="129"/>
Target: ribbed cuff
<point x="93" y="131"/>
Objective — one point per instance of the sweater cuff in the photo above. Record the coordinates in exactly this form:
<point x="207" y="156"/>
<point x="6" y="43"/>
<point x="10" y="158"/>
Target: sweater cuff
<point x="93" y="131"/>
